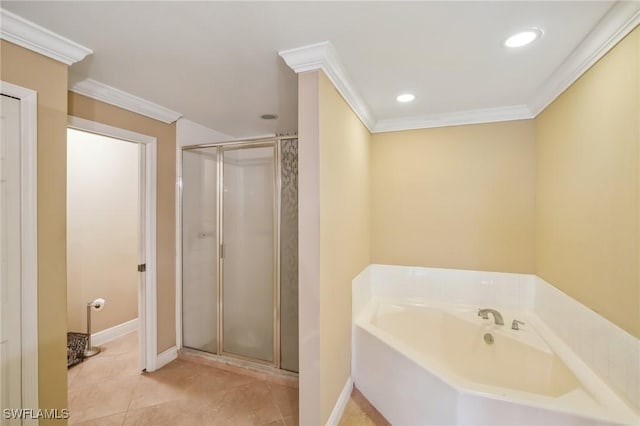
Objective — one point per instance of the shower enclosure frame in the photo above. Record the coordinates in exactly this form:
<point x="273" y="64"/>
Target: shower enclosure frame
<point x="221" y="147"/>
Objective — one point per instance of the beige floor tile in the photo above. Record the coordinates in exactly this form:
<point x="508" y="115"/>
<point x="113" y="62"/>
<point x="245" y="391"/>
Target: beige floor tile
<point x="285" y="398"/>
<point x="114" y="420"/>
<point x="125" y="344"/>
<point x="257" y="394"/>
<point x="266" y="414"/>
<point x="360" y="412"/>
<point x="273" y="423"/>
<point x="259" y="400"/>
<point x="250" y="404"/>
<point x="167" y="384"/>
<point x="101" y="367"/>
<point x="208" y="382"/>
<point x="290" y="420"/>
<point x="230" y="409"/>
<point x="73" y="375"/>
<point x="354" y="416"/>
<point x="172" y="413"/>
<point x="100" y="400"/>
<point x="108" y="390"/>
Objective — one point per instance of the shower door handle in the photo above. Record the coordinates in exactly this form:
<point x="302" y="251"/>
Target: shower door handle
<point x="221" y="251"/>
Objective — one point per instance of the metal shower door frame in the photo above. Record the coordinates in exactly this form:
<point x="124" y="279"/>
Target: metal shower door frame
<point x="276" y="144"/>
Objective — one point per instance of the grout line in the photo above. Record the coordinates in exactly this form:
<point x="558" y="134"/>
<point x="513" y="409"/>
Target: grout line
<point x="273" y="401"/>
<point x="126" y="413"/>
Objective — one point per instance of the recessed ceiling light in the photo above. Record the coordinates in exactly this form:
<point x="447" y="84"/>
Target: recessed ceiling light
<point x="523" y="38"/>
<point x="269" y="116"/>
<point x="405" y="97"/>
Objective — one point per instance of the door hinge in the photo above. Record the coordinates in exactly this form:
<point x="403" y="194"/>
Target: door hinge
<point x="142" y="267"/>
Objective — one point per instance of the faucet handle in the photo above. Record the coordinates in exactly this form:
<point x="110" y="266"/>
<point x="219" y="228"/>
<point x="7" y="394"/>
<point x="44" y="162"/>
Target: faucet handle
<point x="515" y="323"/>
<point x="483" y="313"/>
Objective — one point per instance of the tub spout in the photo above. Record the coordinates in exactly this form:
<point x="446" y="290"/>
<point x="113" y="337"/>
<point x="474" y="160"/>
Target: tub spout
<point x="497" y="317"/>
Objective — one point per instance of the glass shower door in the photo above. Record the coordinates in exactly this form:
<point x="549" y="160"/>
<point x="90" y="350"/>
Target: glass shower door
<point x="249" y="249"/>
<point x="199" y="249"/>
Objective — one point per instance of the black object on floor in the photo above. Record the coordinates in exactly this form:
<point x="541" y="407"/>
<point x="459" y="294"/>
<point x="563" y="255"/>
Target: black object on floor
<point x="76" y="344"/>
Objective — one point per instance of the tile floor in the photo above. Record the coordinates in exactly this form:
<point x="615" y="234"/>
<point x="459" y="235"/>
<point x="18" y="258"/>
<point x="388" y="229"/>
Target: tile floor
<point x="360" y="412"/>
<point x="109" y="390"/>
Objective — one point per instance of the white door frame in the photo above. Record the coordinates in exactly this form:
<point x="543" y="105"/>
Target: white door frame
<point x="178" y="247"/>
<point x="147" y="295"/>
<point x="28" y="238"/>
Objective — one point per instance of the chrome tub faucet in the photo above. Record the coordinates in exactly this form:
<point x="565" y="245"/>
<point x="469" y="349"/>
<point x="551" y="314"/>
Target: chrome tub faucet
<point x="497" y="317"/>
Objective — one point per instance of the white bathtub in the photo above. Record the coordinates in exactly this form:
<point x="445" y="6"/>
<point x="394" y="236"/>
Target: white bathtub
<point x="422" y="362"/>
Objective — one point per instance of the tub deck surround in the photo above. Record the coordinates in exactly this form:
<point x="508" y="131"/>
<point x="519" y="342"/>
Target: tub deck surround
<point x="489" y="289"/>
<point x="529" y="376"/>
<point x="609" y="350"/>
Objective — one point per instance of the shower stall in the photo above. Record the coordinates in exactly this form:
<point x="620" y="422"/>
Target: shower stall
<point x="240" y="251"/>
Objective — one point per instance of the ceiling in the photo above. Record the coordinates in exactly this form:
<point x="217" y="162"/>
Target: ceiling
<point x="217" y="63"/>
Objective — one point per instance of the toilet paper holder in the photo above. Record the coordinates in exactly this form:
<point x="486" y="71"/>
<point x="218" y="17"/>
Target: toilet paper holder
<point x="95" y="305"/>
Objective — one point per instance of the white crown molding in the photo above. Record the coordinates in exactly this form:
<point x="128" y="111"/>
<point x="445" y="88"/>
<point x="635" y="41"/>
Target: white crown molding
<point x="111" y="95"/>
<point x="18" y="30"/>
<point x="323" y="56"/>
<point x="476" y="116"/>
<point x="619" y="21"/>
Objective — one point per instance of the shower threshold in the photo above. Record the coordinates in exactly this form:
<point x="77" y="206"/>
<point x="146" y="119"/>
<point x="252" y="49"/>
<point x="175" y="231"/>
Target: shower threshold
<point x="238" y="366"/>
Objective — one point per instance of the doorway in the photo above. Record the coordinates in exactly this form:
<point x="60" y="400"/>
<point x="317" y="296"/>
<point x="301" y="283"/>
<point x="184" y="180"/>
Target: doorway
<point x="111" y="237"/>
<point x="103" y="236"/>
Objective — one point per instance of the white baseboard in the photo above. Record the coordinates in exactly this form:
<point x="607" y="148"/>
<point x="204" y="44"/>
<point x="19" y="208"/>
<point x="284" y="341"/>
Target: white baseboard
<point x="105" y="336"/>
<point x="166" y="357"/>
<point x="341" y="403"/>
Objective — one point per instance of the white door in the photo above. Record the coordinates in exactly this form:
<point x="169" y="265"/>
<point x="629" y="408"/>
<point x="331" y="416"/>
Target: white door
<point x="10" y="262"/>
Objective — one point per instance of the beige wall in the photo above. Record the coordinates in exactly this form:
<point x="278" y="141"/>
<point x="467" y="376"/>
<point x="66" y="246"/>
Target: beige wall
<point x="455" y="197"/>
<point x="49" y="78"/>
<point x="344" y="233"/>
<point x="588" y="189"/>
<point x="90" y="109"/>
<point x="102" y="229"/>
<point x="334" y="238"/>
